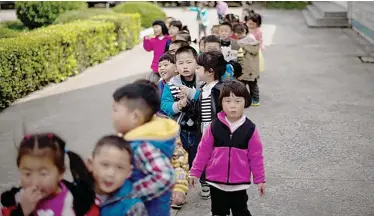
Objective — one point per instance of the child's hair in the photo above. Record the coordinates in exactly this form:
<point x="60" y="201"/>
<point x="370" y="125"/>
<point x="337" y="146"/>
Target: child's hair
<point x="165" y="30"/>
<point x="250" y="12"/>
<point x="182" y="43"/>
<point x="179" y="25"/>
<point x="237" y="88"/>
<point x="171" y="18"/>
<point x="142" y="95"/>
<point x="185" y="34"/>
<point x="213" y="61"/>
<point x="115" y="141"/>
<point x="212" y="39"/>
<point x="230" y="18"/>
<point x="215" y="26"/>
<point x="52" y="146"/>
<point x="186" y="49"/>
<point x="226" y="24"/>
<point x="202" y="40"/>
<point x="256" y="18"/>
<point x="167" y="57"/>
<point x="239" y="28"/>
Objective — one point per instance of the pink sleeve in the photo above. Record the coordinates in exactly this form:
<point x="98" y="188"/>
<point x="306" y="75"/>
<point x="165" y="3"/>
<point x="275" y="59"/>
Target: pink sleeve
<point x="204" y="153"/>
<point x="147" y="44"/>
<point x="255" y="157"/>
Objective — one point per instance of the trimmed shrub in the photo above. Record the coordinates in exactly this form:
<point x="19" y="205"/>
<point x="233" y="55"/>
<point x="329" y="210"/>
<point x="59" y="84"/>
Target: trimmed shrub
<point x="127" y="28"/>
<point x="38" y="14"/>
<point x="51" y="54"/>
<point x="8" y="33"/>
<point x="300" y="5"/>
<point x="71" y="16"/>
<point x="148" y="11"/>
<point x="13" y="25"/>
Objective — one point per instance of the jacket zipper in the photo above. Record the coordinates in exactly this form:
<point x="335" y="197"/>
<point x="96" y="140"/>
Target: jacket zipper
<point x="228" y="170"/>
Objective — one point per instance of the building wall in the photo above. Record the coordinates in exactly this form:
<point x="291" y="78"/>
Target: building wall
<point x="361" y="15"/>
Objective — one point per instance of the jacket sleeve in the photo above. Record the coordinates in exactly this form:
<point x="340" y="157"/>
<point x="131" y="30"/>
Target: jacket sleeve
<point x="193" y="9"/>
<point x="252" y="49"/>
<point x="159" y="173"/>
<point x="147" y="44"/>
<point x="168" y="105"/>
<point x="204" y="152"/>
<point x="256" y="159"/>
<point x="180" y="165"/>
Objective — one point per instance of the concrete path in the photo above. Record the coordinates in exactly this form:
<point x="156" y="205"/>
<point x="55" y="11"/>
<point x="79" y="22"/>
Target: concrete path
<point x="316" y="118"/>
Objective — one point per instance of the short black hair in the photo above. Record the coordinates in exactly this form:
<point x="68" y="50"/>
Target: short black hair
<point x="213" y="61"/>
<point x="226" y="24"/>
<point x="167" y="57"/>
<point x="177" y="24"/>
<point x="140" y="95"/>
<point x="239" y="28"/>
<point x="186" y="49"/>
<point x="238" y="89"/>
<point x="212" y="39"/>
<point x="180" y="42"/>
<point x="202" y="40"/>
<point x="112" y="140"/>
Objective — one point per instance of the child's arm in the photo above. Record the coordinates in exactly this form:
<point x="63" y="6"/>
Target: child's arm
<point x="180" y="164"/>
<point x="204" y="153"/>
<point x="147" y="44"/>
<point x="168" y="105"/>
<point x="159" y="174"/>
<point x="256" y="159"/>
<point x="194" y="9"/>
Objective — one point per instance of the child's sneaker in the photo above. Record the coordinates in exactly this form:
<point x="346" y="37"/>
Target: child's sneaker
<point x="255" y="103"/>
<point x="205" y="191"/>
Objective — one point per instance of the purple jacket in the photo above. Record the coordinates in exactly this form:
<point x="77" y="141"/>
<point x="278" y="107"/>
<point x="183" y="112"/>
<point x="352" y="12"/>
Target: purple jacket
<point x="158" y="47"/>
<point x="232" y="164"/>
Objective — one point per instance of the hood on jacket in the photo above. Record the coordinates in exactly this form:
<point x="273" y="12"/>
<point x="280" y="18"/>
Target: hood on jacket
<point x="123" y="192"/>
<point x="248" y="40"/>
<point x="177" y="81"/>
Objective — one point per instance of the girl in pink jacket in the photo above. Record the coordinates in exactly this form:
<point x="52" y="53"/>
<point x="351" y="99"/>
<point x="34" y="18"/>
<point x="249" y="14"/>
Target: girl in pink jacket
<point x="230" y="151"/>
<point x="157" y="44"/>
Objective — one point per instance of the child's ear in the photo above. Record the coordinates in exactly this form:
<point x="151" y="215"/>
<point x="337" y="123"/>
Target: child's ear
<point x="89" y="163"/>
<point x="138" y="116"/>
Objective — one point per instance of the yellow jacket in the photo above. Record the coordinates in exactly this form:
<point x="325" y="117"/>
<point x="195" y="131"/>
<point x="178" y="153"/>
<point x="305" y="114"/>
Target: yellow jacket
<point x="181" y="168"/>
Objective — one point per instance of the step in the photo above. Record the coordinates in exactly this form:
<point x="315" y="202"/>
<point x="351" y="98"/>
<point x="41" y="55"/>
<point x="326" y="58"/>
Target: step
<point x="313" y="23"/>
<point x="315" y="13"/>
<point x="330" y="9"/>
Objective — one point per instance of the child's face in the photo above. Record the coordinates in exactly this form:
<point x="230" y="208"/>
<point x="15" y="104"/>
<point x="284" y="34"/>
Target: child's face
<point x="202" y="47"/>
<point x="212" y="46"/>
<point x="215" y="31"/>
<point x="110" y="167"/>
<point x="41" y="173"/>
<point x="202" y="74"/>
<point x="233" y="107"/>
<point x="157" y="30"/>
<point x="186" y="64"/>
<point x="225" y="32"/>
<point x="239" y="35"/>
<point x="173" y="48"/>
<point x="124" y="119"/>
<point x="166" y="70"/>
<point x="251" y="25"/>
<point x="167" y="22"/>
<point x="173" y="31"/>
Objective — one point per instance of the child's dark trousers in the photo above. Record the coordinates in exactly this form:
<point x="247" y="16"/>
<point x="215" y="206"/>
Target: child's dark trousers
<point x="222" y="202"/>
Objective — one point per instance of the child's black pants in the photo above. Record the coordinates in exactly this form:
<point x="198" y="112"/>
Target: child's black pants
<point x="253" y="89"/>
<point x="223" y="202"/>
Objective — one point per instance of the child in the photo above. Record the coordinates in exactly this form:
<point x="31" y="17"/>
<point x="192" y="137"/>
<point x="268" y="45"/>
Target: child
<point x="201" y="45"/>
<point x="254" y="23"/>
<point x="168" y="20"/>
<point x="222" y="9"/>
<point x="152" y="142"/>
<point x="232" y="19"/>
<point x="41" y="162"/>
<point x="229" y="46"/>
<point x="240" y="31"/>
<point x="215" y="30"/>
<point x="111" y="167"/>
<point x="246" y="12"/>
<point x="201" y="17"/>
<point x="175" y="27"/>
<point x="157" y="44"/>
<point x="230" y="150"/>
<point x="175" y="45"/>
<point x="167" y="70"/>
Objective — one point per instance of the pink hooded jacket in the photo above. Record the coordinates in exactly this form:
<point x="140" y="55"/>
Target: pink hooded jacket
<point x="158" y="46"/>
<point x="232" y="164"/>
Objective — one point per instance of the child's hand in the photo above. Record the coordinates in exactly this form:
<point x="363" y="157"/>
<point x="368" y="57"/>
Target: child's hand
<point x="29" y="198"/>
<point x="185" y="90"/>
<point x="192" y="180"/>
<point x="261" y="189"/>
<point x="182" y="101"/>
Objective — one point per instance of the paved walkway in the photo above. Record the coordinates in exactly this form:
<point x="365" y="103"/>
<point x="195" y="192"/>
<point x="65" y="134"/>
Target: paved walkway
<point x="316" y="118"/>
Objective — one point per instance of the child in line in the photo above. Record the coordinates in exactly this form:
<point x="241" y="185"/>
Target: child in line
<point x="111" y="167"/>
<point x="168" y="20"/>
<point x="176" y="26"/>
<point x="157" y="44"/>
<point x="229" y="46"/>
<point x="152" y="141"/>
<point x="41" y="162"/>
<point x="254" y="23"/>
<point x="231" y="18"/>
<point x="167" y="70"/>
<point x="201" y="45"/>
<point x="175" y="45"/>
<point x="246" y="12"/>
<point x="201" y="17"/>
<point x="240" y="31"/>
<point x="222" y="9"/>
<point x="229" y="152"/>
<point x="215" y="30"/>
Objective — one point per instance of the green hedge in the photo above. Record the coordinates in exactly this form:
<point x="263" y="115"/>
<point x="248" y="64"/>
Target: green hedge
<point x="8" y="33"/>
<point x="300" y="5"/>
<point x="51" y="54"/>
<point x="71" y="16"/>
<point x="148" y="11"/>
<point x="35" y="14"/>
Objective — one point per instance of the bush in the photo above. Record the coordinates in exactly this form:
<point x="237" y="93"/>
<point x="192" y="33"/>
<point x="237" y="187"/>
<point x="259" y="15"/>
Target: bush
<point x="51" y="54"/>
<point x="8" y="33"/>
<point x="148" y="11"/>
<point x="85" y="14"/>
<point x="286" y="5"/>
<point x="38" y="14"/>
<point x="13" y="25"/>
<point x="127" y="28"/>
